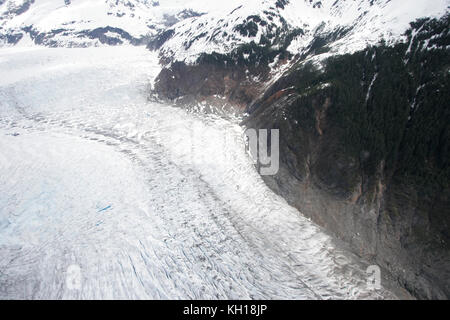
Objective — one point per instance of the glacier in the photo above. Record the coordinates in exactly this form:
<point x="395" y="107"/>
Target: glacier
<point x="143" y="200"/>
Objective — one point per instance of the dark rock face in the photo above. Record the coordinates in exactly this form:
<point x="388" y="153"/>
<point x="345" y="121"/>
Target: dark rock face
<point x="364" y="146"/>
<point x="21" y="8"/>
<point x="238" y="76"/>
<point x="204" y="81"/>
<point x="156" y="42"/>
<point x="100" y="34"/>
<point x="12" y="38"/>
<point x="384" y="220"/>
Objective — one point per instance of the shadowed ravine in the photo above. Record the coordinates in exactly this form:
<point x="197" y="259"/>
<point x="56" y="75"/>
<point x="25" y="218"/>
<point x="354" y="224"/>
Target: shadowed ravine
<point x="146" y="200"/>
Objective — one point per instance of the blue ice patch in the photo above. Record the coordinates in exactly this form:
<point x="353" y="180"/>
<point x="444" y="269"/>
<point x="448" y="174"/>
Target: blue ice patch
<point x="104" y="209"/>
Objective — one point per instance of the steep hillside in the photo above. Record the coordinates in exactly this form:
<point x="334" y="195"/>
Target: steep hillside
<point x="359" y="91"/>
<point x="358" y="88"/>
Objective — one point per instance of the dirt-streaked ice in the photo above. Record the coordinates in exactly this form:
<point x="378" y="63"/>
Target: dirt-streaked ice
<point x="142" y="200"/>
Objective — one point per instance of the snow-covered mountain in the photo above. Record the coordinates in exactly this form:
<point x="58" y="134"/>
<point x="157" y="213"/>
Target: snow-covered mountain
<point x="73" y="23"/>
<point x="297" y="25"/>
<point x="185" y="29"/>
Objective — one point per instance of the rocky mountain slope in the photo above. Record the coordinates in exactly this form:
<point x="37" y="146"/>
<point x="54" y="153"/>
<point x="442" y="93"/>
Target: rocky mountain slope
<point x="80" y="23"/>
<point x="359" y="91"/>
